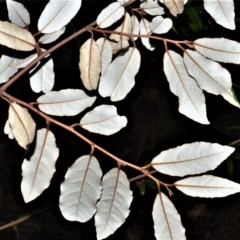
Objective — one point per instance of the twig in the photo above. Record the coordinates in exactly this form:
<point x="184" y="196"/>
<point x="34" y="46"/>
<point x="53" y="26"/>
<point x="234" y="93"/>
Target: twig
<point x="23" y="219"/>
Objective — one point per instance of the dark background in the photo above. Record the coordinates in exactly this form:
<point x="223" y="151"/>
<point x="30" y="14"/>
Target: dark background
<point x="154" y="124"/>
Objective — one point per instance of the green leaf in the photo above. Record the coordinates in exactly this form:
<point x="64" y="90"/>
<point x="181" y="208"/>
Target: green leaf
<point x="195" y="21"/>
<point x="142" y="187"/>
<point x="230" y="166"/>
<point x="236" y="155"/>
<point x="151" y="184"/>
<point x="234" y="95"/>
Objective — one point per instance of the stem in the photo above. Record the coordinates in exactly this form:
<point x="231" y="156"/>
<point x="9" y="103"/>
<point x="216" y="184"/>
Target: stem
<point x="131" y="35"/>
<point x="23" y="219"/>
<point x="91" y="28"/>
<point x="72" y="130"/>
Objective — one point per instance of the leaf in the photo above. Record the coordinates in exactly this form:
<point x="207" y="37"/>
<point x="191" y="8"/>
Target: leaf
<point x="22" y="125"/>
<point x="103" y="120"/>
<point x="189" y="159"/>
<point x="144" y="30"/>
<point x="51" y="37"/>
<point x="191" y="98"/>
<point x="105" y="48"/>
<point x="207" y="186"/>
<point x="210" y="76"/>
<point x="174" y="6"/>
<point x="57" y="14"/>
<point x="135" y="26"/>
<point x="113" y="207"/>
<point x="160" y="25"/>
<point x="219" y="49"/>
<point x="152" y="8"/>
<point x="167" y="221"/>
<point x="22" y="63"/>
<point x="42" y="77"/>
<point x="81" y="189"/>
<point x="109" y="15"/>
<point x="6" y="71"/>
<point x="125" y="27"/>
<point x="222" y="11"/>
<point x="67" y="102"/>
<point x="38" y="171"/>
<point x="17" y="13"/>
<point x="122" y="44"/>
<point x="15" y="37"/>
<point x="117" y="81"/>
<point x="7" y="130"/>
<point x="195" y="21"/>
<point x="90" y="64"/>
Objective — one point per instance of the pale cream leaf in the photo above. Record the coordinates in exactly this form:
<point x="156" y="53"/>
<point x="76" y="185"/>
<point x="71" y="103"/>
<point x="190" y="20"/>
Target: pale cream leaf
<point x="90" y="64"/>
<point x="16" y="37"/>
<point x="22" y="125"/>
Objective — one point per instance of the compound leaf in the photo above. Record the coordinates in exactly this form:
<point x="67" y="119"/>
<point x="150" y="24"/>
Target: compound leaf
<point x="193" y="158"/>
<point x="67" y="102"/>
<point x="222" y="11"/>
<point x="57" y="14"/>
<point x="118" y="79"/>
<point x="103" y="120"/>
<point x="81" y="189"/>
<point x="90" y="64"/>
<point x="113" y="207"/>
<point x="15" y="37"/>
<point x="167" y="222"/>
<point x="207" y="186"/>
<point x="22" y="125"/>
<point x="109" y="15"/>
<point x="38" y="171"/>
<point x="219" y="49"/>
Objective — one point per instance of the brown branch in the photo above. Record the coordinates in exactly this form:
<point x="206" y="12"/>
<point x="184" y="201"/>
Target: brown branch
<point x="23" y="219"/>
<point x="89" y="27"/>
